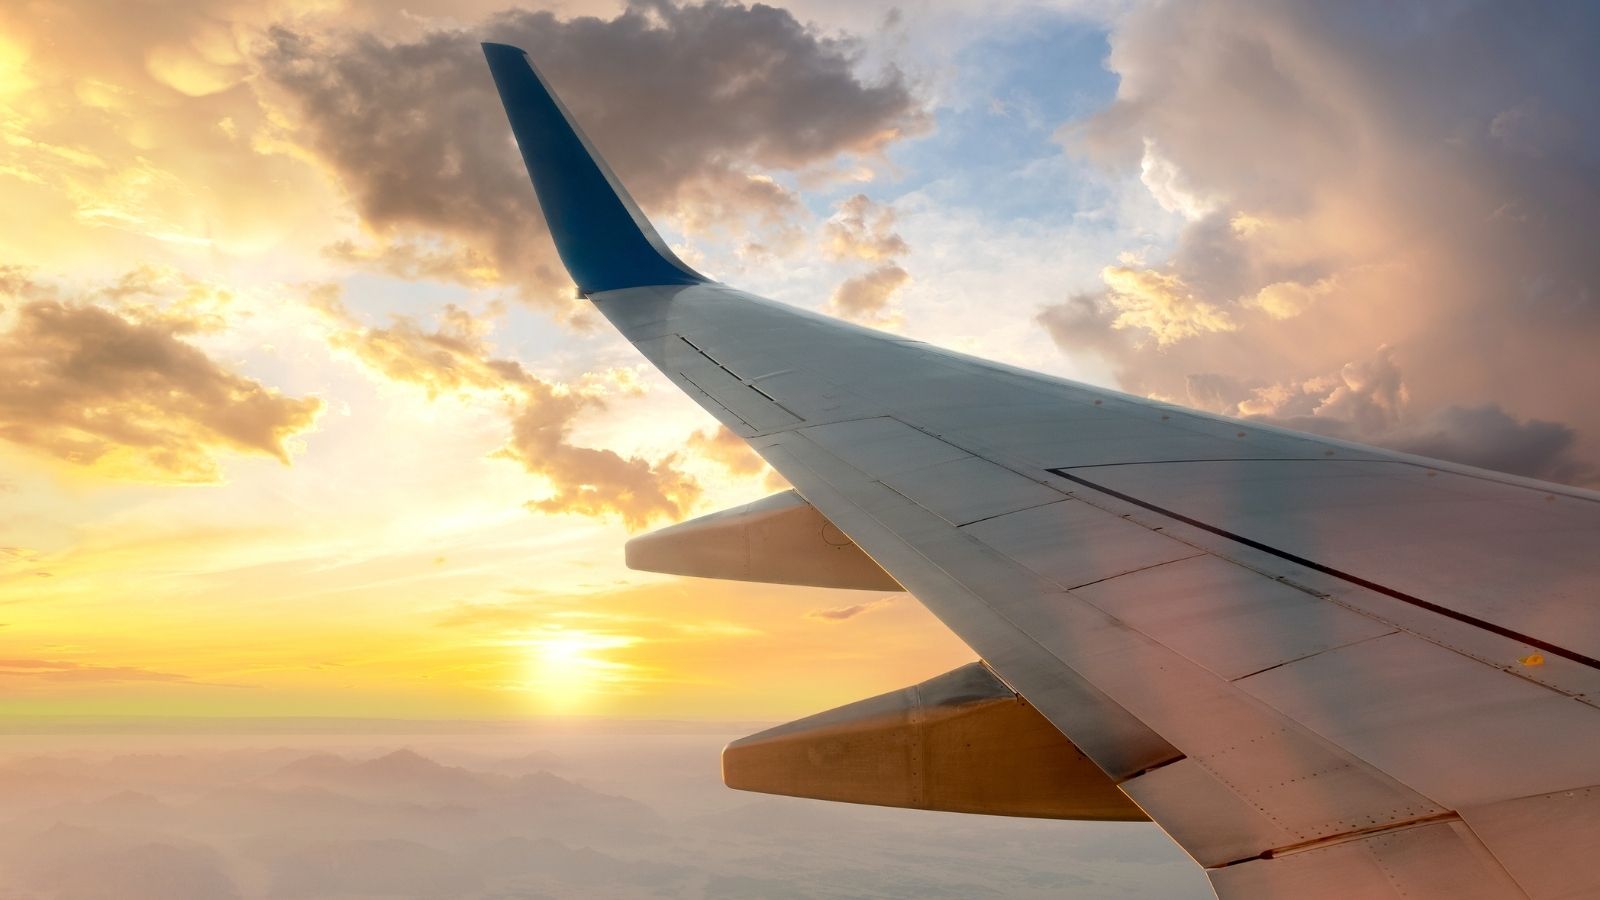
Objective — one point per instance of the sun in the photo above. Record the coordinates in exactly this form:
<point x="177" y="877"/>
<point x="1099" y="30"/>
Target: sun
<point x="568" y="670"/>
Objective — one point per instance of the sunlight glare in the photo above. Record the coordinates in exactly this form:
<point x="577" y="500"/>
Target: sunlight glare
<point x="567" y="669"/>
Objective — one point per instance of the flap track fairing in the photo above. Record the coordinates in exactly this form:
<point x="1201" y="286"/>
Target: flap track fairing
<point x="780" y="539"/>
<point x="961" y="742"/>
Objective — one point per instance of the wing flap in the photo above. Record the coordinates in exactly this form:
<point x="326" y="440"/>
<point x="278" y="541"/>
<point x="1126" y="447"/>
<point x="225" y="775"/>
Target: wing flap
<point x="1460" y="732"/>
<point x="1547" y="842"/>
<point x="780" y="539"/>
<point x="1435" y="859"/>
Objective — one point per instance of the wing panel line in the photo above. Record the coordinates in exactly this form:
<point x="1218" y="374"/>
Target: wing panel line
<point x="1351" y="578"/>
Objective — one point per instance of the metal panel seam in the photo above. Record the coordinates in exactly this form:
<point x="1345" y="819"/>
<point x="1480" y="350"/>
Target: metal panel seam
<point x="1357" y="580"/>
<point x="1290" y="662"/>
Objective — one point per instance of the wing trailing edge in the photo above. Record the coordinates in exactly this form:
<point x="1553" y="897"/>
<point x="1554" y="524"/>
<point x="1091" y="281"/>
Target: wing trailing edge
<point x="604" y="240"/>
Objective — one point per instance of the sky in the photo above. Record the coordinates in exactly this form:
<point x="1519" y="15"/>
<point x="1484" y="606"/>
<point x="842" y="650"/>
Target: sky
<point x="299" y="415"/>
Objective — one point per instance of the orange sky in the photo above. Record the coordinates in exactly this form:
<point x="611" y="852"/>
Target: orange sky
<point x="249" y="477"/>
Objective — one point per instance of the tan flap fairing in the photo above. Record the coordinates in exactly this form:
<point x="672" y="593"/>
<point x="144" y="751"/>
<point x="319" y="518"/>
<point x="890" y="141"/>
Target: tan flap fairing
<point x="962" y="742"/>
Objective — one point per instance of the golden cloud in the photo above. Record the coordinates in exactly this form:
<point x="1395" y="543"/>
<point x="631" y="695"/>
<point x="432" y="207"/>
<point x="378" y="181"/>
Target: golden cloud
<point x="142" y="135"/>
<point x="120" y="391"/>
<point x="722" y="446"/>
<point x="1160" y="304"/>
<point x="61" y="671"/>
<point x="587" y="480"/>
<point x="454" y="357"/>
<point x="1287" y="299"/>
<point x="867" y="297"/>
<point x="845" y="613"/>
<point x="862" y="229"/>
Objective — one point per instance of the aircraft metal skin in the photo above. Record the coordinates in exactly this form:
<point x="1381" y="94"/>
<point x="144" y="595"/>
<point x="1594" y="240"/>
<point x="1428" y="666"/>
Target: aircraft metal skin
<point x="1325" y="670"/>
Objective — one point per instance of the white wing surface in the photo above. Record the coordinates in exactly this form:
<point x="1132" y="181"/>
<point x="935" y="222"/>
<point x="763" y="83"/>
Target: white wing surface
<point x="1326" y="670"/>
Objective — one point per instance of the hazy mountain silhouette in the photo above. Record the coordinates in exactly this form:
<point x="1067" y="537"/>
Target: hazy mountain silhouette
<point x="369" y="867"/>
<point x="533" y="803"/>
<point x="32" y="787"/>
<point x="122" y="809"/>
<point x="71" y="862"/>
<point x="368" y="822"/>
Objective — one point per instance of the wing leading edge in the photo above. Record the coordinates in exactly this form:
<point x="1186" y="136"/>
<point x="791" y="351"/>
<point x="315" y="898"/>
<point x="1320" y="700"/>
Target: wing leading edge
<point x="1325" y="670"/>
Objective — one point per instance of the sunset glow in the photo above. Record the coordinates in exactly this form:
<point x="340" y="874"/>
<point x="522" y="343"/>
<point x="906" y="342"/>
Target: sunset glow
<point x="565" y="668"/>
<point x="298" y="415"/>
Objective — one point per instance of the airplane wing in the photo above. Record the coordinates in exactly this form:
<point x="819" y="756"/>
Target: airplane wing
<point x="1325" y="670"/>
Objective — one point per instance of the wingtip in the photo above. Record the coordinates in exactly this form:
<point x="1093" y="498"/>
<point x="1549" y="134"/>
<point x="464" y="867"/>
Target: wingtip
<point x="601" y="236"/>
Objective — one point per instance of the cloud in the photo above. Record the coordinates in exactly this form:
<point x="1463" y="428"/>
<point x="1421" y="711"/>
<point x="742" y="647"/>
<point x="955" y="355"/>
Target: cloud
<point x="79" y="673"/>
<point x="1136" y="305"/>
<point x="722" y="446"/>
<point x="121" y="391"/>
<point x="454" y="357"/>
<point x="862" y="229"/>
<point x="418" y="260"/>
<point x="1160" y="304"/>
<point x="1367" y="400"/>
<point x="1084" y="322"/>
<point x="451" y="357"/>
<point x="1367" y="395"/>
<point x="141" y="136"/>
<point x="1169" y="187"/>
<point x="553" y="613"/>
<point x="842" y="613"/>
<point x="1350" y="176"/>
<point x="587" y="480"/>
<point x="1484" y="436"/>
<point x="17" y="281"/>
<point x="1287" y="299"/>
<point x="867" y="297"/>
<point x="726" y="449"/>
<point x="1487" y="437"/>
<point x="712" y="98"/>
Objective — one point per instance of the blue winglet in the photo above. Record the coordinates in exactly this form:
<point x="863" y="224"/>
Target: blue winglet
<point x="603" y="238"/>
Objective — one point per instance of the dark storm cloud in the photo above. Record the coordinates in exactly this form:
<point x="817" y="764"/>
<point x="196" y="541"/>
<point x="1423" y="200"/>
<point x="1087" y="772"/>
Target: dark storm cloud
<point x="1488" y="437"/>
<point x="1369" y="401"/>
<point x="688" y="103"/>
